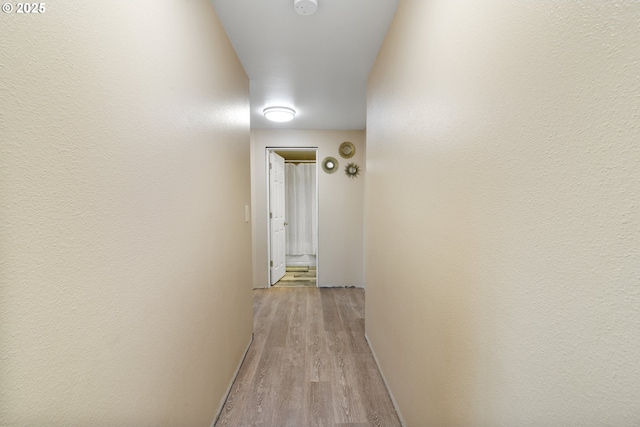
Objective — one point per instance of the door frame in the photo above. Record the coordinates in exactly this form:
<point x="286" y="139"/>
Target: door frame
<point x="267" y="159"/>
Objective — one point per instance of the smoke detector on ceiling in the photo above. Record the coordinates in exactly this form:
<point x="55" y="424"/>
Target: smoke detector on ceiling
<point x="305" y="7"/>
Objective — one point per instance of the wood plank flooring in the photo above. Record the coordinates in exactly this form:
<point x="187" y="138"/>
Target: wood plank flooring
<point x="298" y="277"/>
<point x="309" y="364"/>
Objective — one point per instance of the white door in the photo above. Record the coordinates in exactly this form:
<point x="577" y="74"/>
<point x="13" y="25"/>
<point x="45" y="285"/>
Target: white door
<point x="276" y="216"/>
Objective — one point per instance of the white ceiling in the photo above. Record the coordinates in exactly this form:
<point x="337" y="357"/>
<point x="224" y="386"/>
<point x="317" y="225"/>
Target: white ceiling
<point x="316" y="64"/>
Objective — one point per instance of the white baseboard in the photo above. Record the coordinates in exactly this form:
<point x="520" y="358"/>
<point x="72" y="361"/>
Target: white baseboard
<point x="393" y="400"/>
<point x="225" y="396"/>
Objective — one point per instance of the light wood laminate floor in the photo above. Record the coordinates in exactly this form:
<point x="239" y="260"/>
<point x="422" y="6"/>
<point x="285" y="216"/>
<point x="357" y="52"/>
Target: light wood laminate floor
<point x="309" y="364"/>
<point x="298" y="278"/>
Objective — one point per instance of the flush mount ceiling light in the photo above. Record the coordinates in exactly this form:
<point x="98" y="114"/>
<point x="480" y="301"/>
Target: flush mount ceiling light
<point x="279" y="114"/>
<point x="305" y="7"/>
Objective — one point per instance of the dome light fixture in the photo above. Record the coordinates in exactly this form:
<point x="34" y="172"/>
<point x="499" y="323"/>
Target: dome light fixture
<point x="279" y="114"/>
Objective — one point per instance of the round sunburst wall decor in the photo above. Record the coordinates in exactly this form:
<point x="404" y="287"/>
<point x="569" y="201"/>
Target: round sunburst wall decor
<point x="330" y="165"/>
<point x="347" y="150"/>
<point x="352" y="170"/>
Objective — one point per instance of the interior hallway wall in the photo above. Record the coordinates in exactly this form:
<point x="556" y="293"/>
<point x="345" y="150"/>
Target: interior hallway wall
<point x="340" y="227"/>
<point x="502" y="205"/>
<point x="125" y="295"/>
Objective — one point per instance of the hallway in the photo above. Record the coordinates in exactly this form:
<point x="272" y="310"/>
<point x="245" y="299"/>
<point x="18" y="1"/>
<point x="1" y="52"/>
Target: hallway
<point x="494" y="222"/>
<point x="309" y="364"/>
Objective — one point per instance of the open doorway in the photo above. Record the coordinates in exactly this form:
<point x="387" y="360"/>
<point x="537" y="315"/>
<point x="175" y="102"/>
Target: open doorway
<point x="292" y="198"/>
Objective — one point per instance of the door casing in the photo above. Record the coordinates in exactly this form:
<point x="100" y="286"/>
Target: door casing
<point x="268" y="159"/>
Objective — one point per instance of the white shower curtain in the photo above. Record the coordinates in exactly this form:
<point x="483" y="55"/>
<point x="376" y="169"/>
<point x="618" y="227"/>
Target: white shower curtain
<point x="301" y="212"/>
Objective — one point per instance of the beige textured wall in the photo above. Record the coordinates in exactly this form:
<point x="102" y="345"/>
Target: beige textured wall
<point x="503" y="213"/>
<point x="125" y="291"/>
<point x="340" y="227"/>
